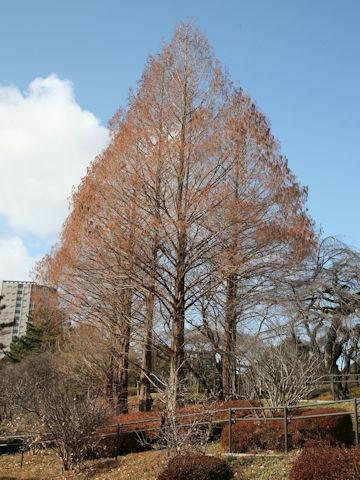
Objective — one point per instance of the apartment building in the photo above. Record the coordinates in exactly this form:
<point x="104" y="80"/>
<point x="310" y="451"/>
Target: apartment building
<point x="18" y="298"/>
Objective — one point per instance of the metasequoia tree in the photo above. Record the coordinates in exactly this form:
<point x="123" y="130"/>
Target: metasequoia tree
<point x="261" y="226"/>
<point x="91" y="275"/>
<point x="191" y="196"/>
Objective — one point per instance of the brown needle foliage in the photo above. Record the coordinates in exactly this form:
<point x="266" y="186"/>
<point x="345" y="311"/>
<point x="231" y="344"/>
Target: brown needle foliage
<point x="191" y="195"/>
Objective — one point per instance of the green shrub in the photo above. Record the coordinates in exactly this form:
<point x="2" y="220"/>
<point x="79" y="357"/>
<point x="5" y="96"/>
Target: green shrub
<point x="196" y="467"/>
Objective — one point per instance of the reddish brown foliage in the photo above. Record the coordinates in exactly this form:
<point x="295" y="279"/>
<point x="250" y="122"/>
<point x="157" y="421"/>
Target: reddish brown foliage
<point x="191" y="162"/>
<point x="129" y="442"/>
<point x="145" y="417"/>
<point x="129" y="439"/>
<point x="333" y="430"/>
<point x="253" y="435"/>
<point x="196" y="467"/>
<point x="327" y="464"/>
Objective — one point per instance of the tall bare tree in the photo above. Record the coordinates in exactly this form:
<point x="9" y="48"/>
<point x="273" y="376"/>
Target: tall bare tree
<point x="190" y="199"/>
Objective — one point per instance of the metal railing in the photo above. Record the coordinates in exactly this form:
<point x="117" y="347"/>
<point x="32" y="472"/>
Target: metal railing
<point x="232" y="418"/>
<point x="229" y="419"/>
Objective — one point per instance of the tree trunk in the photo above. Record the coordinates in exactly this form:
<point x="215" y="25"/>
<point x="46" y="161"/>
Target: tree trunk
<point x="332" y="353"/>
<point x="337" y="390"/>
<point x="121" y="385"/>
<point x="177" y="333"/>
<point x="177" y="369"/>
<point x="145" y="400"/>
<point x="109" y="381"/>
<point x="347" y="370"/>
<point x="229" y="359"/>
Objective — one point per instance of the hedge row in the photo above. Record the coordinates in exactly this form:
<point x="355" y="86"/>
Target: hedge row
<point x="129" y="440"/>
<point x="247" y="435"/>
<point x="250" y="435"/>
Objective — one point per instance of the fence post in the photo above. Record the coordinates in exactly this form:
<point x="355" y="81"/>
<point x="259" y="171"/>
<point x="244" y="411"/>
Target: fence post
<point x="356" y="422"/>
<point x="333" y="386"/>
<point x="230" y="423"/>
<point x="22" y="458"/>
<point x="117" y="441"/>
<point x="286" y="428"/>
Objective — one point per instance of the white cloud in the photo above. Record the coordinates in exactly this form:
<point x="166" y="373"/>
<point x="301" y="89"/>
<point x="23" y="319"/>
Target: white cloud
<point x="46" y="143"/>
<point x="15" y="262"/>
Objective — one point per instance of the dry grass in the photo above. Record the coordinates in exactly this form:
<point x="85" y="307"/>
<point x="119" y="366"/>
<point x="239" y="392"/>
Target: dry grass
<point x="324" y="393"/>
<point x="45" y="465"/>
<point x="257" y="468"/>
<point x="136" y="466"/>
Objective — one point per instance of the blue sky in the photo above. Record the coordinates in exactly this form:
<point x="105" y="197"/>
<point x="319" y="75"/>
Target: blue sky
<point x="66" y="66"/>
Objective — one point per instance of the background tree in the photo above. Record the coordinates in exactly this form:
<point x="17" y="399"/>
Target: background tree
<point x="44" y="327"/>
<point x="323" y="301"/>
<point x="37" y="338"/>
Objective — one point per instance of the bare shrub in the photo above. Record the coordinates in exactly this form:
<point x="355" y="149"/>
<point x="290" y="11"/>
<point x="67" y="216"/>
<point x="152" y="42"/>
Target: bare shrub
<point x="179" y="433"/>
<point x="284" y="374"/>
<point x="149" y="424"/>
<point x="46" y="404"/>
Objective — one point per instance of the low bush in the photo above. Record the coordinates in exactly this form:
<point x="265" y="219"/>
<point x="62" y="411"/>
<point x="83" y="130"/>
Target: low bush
<point x="132" y="438"/>
<point x="129" y="442"/>
<point x="196" y="467"/>
<point x="327" y="430"/>
<point x="327" y="464"/>
<point x="254" y="435"/>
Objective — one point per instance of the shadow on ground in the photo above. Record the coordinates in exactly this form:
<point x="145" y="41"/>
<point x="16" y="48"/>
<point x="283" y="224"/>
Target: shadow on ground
<point x="100" y="467"/>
